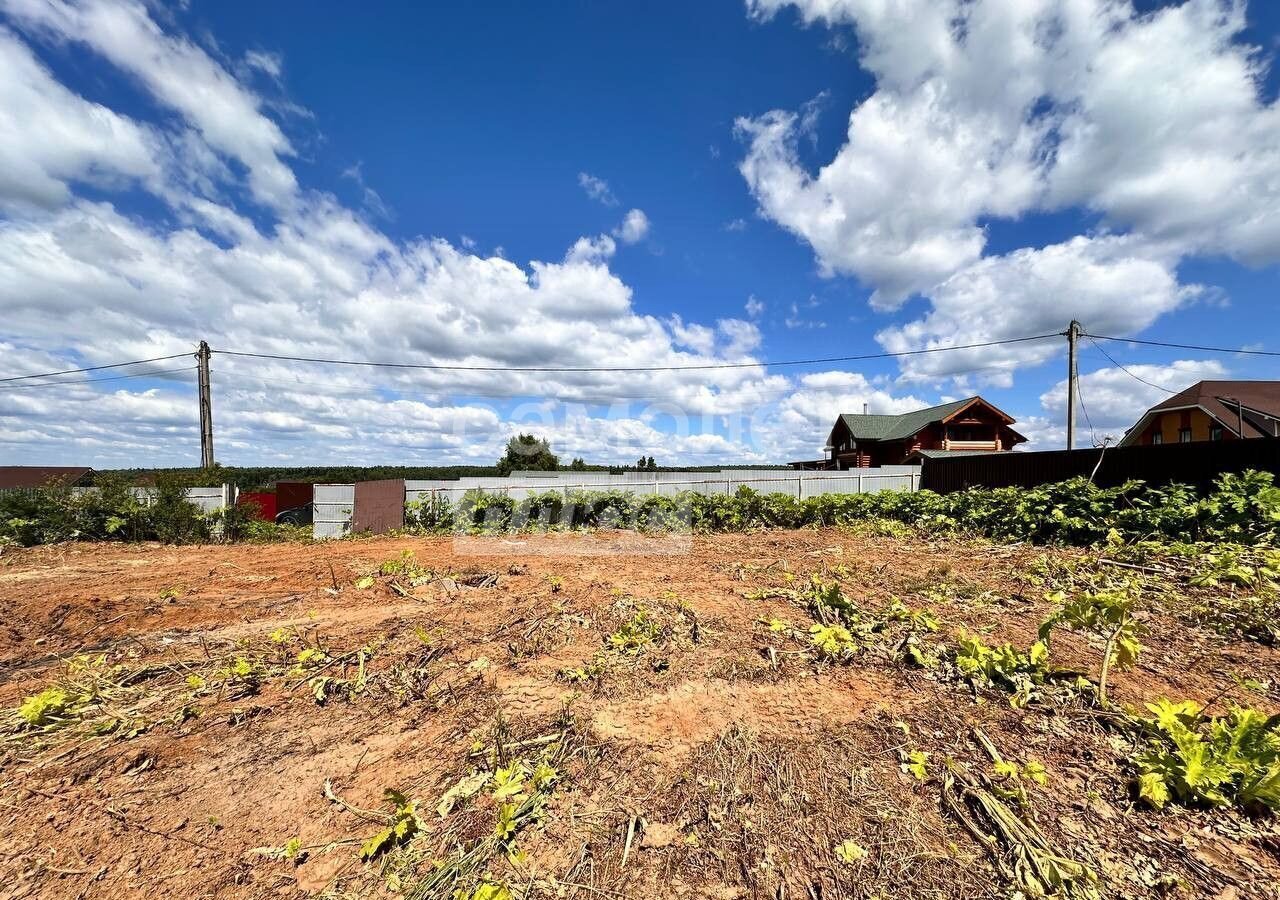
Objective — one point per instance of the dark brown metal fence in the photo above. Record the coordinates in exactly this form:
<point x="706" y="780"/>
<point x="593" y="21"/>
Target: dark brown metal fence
<point x="291" y="494"/>
<point x="1197" y="464"/>
<point x="379" y="506"/>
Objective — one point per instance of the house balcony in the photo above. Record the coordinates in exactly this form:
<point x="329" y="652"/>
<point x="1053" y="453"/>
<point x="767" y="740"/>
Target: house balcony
<point x="994" y="445"/>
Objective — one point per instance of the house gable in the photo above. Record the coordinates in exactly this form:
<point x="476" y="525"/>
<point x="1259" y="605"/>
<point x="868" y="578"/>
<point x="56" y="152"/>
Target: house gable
<point x="970" y="411"/>
<point x="1248" y="409"/>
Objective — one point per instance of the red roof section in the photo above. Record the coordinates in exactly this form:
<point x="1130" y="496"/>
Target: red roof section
<point x="41" y="476"/>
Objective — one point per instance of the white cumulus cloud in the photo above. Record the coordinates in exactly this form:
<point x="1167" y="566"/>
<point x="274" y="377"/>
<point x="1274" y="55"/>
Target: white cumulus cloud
<point x="1118" y="285"/>
<point x="1156" y="122"/>
<point x="178" y="74"/>
<point x="302" y="275"/>
<point x="1115" y="399"/>
<point x="51" y="138"/>
<point x="634" y="227"/>
<point x="597" y="189"/>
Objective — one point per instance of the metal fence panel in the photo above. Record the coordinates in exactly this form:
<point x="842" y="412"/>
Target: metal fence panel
<point x="292" y="494"/>
<point x="208" y="499"/>
<point x="774" y="483"/>
<point x="378" y="505"/>
<point x="211" y="499"/>
<point x="799" y="484"/>
<point x="331" y="506"/>
<point x="333" y="503"/>
<point x="1198" y="464"/>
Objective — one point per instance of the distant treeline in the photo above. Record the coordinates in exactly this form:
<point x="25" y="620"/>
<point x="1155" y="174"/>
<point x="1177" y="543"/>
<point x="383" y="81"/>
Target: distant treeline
<point x="260" y="478"/>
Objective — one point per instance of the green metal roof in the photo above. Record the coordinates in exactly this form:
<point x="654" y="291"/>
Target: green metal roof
<point x="945" y="454"/>
<point x="895" y="428"/>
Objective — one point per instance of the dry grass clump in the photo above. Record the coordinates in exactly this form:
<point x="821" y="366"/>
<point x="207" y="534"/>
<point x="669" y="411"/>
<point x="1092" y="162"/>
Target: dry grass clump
<point x="827" y="814"/>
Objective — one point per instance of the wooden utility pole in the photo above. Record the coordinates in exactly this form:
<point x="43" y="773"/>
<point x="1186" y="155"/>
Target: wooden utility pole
<point x="206" y="408"/>
<point x="1073" y="336"/>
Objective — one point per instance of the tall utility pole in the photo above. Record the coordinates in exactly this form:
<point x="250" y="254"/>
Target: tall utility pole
<point x="206" y="408"/>
<point x="1073" y="336"/>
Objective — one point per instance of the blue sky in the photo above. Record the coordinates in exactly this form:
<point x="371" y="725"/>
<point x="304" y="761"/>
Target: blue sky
<point x="477" y="123"/>
<point x="587" y="184"/>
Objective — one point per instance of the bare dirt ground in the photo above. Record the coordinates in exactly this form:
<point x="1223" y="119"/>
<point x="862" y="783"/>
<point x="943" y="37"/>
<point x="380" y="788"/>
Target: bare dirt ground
<point x="714" y="758"/>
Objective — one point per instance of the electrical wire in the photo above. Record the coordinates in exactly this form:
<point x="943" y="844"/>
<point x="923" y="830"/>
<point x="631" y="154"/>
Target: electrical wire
<point x="595" y="399"/>
<point x="120" y="365"/>
<point x="1126" y="371"/>
<point x="1093" y="437"/>
<point x="700" y="366"/>
<point x="467" y="368"/>
<point x="696" y="367"/>
<point x="1103" y="337"/>
<point x="40" y="384"/>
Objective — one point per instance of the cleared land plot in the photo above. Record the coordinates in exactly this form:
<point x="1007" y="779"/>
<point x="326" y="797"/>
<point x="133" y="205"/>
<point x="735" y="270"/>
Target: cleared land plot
<point x="244" y="708"/>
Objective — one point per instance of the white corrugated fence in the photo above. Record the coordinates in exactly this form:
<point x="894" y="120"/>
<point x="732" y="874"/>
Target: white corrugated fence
<point x="331" y="506"/>
<point x="333" y="502"/>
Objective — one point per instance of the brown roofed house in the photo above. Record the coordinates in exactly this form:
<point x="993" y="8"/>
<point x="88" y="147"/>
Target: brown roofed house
<point x="1211" y="411"/>
<point x="42" y="476"/>
<point x="971" y="425"/>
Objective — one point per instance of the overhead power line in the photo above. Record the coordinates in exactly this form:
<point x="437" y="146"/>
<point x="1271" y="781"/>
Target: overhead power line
<point x="699" y="366"/>
<point x="120" y="365"/>
<point x="1093" y="437"/>
<point x="1126" y="371"/>
<point x="1103" y="337"/>
<point x="481" y="392"/>
<point x="152" y="373"/>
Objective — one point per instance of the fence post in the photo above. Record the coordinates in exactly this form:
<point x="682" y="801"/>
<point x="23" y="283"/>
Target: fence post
<point x="799" y="487"/>
<point x="859" y="482"/>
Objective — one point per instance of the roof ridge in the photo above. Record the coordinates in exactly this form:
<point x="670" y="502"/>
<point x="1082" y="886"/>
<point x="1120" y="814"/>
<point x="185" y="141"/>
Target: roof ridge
<point x="912" y="412"/>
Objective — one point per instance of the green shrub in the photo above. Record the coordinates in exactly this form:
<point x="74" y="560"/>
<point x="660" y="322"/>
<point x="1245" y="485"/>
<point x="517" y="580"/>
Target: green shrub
<point x="110" y="511"/>
<point x="44" y="516"/>
<point x="239" y="522"/>
<point x="173" y="519"/>
<point x="257" y="531"/>
<point x="432" y="514"/>
<point x="1003" y="666"/>
<point x="1243" y="508"/>
<point x="1105" y="615"/>
<point x="539" y="509"/>
<point x="1209" y="760"/>
<point x="662" y="513"/>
